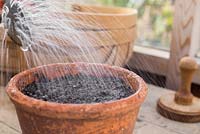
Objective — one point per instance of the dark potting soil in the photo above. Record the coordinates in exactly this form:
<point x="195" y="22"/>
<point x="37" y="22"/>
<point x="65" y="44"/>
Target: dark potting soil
<point x="79" y="89"/>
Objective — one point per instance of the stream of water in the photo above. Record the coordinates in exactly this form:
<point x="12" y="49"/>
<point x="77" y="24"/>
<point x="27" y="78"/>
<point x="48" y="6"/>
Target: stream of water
<point x="49" y="32"/>
<point x="45" y="32"/>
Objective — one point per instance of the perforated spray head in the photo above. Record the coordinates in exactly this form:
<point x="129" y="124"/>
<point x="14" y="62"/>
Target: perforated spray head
<point x="15" y="21"/>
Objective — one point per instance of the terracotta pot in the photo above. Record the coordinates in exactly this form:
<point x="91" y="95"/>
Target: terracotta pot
<point x="113" y="39"/>
<point x="40" y="117"/>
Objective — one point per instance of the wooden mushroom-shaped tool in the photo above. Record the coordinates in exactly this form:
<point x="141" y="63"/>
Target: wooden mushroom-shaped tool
<point x="182" y="105"/>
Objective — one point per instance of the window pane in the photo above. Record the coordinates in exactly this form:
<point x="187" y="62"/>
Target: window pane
<point x="154" y="23"/>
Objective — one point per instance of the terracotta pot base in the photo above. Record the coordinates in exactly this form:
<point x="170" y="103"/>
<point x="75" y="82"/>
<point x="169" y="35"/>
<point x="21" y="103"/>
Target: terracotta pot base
<point x="47" y="125"/>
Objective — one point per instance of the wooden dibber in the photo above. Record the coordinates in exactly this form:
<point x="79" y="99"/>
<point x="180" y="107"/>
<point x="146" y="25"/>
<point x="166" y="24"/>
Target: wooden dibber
<point x="182" y="105"/>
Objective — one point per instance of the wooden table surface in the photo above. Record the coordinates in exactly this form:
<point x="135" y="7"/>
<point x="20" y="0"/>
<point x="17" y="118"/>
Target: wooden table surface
<point x="149" y="121"/>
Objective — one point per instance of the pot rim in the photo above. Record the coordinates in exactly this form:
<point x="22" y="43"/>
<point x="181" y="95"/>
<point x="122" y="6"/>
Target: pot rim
<point x="127" y="17"/>
<point x="74" y="111"/>
<point x="125" y="11"/>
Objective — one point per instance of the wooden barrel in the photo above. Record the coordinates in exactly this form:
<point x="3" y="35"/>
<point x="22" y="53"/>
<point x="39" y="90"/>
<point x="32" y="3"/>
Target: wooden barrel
<point x="117" y="23"/>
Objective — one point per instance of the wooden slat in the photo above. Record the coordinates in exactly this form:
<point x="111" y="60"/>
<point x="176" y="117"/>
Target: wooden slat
<point x="181" y="39"/>
<point x="195" y="42"/>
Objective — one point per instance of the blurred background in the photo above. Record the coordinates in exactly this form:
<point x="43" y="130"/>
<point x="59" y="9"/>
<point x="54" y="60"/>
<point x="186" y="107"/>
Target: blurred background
<point x="155" y="20"/>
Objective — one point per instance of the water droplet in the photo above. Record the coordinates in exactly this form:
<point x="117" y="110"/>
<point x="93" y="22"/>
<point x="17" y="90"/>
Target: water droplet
<point x="13" y="91"/>
<point x="25" y="49"/>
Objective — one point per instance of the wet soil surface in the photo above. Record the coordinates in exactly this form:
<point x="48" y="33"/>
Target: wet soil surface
<point x="79" y="89"/>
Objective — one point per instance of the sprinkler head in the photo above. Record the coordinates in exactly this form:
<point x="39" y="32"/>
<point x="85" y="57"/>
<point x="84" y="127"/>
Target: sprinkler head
<point x="15" y="22"/>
